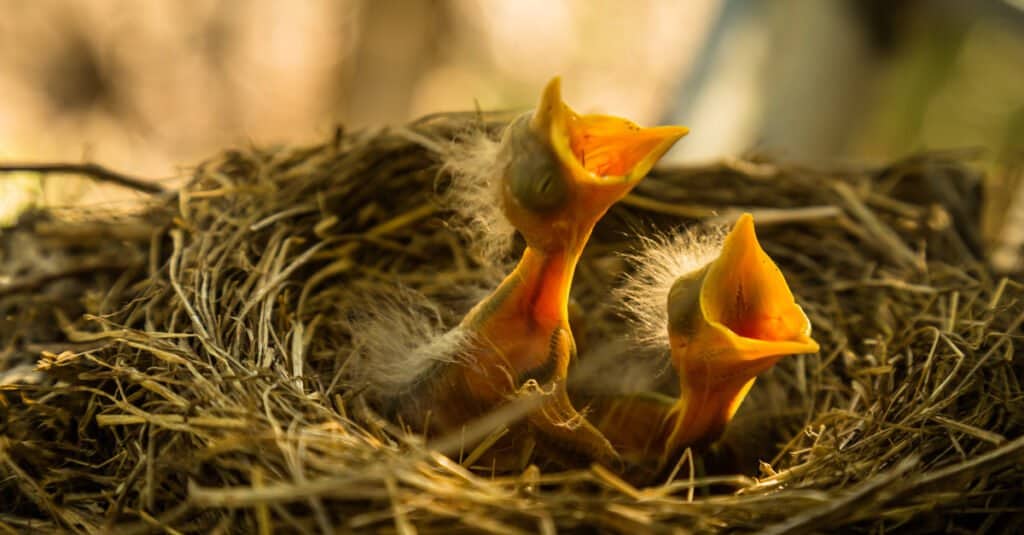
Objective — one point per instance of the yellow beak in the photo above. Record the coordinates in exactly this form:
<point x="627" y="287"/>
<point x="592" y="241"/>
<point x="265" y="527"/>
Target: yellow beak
<point x="746" y="299"/>
<point x="728" y="323"/>
<point x="604" y="155"/>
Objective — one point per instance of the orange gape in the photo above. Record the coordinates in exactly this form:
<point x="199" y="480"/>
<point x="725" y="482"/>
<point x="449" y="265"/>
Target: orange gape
<point x="728" y="322"/>
<point x="559" y="172"/>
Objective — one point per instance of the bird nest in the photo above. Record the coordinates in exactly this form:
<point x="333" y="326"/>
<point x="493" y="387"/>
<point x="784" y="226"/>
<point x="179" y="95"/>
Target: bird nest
<point x="181" y="369"/>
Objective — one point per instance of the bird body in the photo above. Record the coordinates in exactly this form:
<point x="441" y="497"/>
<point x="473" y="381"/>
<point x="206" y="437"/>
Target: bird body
<point x="559" y="173"/>
<point x="726" y="322"/>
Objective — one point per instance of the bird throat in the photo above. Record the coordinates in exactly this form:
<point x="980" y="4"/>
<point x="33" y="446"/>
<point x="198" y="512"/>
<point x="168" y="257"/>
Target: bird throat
<point x="526" y="319"/>
<point x="701" y="414"/>
<point x="544" y="279"/>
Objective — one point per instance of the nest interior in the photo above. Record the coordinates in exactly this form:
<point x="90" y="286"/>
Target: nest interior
<point x="181" y="369"/>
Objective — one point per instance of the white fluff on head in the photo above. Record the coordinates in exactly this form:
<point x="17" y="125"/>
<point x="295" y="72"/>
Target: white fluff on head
<point x="659" y="261"/>
<point x="397" y="338"/>
<point x="475" y="195"/>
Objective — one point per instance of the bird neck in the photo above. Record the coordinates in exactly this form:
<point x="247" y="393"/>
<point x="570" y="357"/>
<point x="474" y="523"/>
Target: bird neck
<point x="701" y="413"/>
<point x="536" y="292"/>
<point x="541" y="283"/>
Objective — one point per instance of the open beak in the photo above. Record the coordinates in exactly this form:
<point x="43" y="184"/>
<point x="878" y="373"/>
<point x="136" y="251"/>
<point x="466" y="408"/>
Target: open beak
<point x="728" y="323"/>
<point x="745" y="299"/>
<point x="605" y="156"/>
<point x="741" y="320"/>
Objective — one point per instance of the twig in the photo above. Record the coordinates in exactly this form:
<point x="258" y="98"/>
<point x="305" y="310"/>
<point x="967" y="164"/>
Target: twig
<point x="481" y="427"/>
<point x="987" y="463"/>
<point x="91" y="170"/>
<point x="661" y="207"/>
<point x="776" y="216"/>
<point x="893" y="245"/>
<point x="843" y="506"/>
<point x="30" y="284"/>
<point x="342" y="488"/>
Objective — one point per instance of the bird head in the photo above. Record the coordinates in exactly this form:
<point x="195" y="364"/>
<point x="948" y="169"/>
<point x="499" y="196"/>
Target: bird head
<point x="562" y="170"/>
<point x="732" y="320"/>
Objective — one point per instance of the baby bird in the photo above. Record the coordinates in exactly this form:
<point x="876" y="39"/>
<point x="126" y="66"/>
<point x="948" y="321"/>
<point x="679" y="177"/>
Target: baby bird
<point x="727" y="321"/>
<point x="559" y="173"/>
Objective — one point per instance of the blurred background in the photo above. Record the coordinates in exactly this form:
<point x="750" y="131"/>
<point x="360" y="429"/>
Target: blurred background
<point x="151" y="87"/>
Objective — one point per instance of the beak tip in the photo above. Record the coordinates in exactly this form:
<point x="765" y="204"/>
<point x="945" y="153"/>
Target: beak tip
<point x="672" y="134"/>
<point x="548" y="113"/>
<point x="552" y="92"/>
<point x="742" y="237"/>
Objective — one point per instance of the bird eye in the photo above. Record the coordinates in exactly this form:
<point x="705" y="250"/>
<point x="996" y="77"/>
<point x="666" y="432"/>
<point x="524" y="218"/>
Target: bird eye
<point x="545" y="184"/>
<point x="533" y="174"/>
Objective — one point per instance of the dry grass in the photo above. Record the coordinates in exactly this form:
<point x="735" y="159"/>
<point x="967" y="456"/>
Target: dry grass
<point x="192" y="358"/>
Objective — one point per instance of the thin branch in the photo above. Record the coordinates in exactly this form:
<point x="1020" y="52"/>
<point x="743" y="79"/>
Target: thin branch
<point x="91" y="170"/>
<point x="31" y="284"/>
